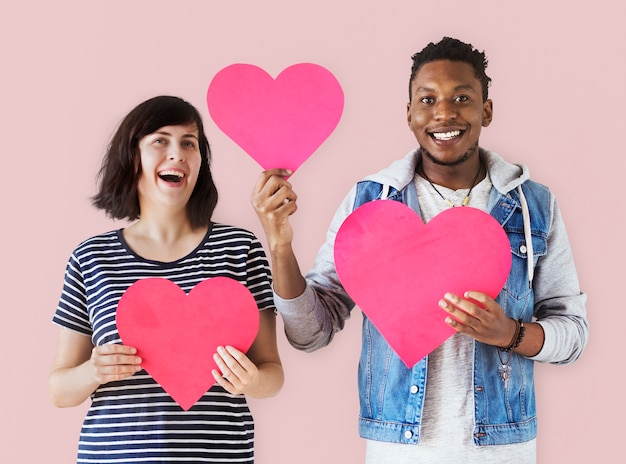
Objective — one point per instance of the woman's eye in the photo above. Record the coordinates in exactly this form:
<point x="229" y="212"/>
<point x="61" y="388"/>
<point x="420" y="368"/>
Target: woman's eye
<point x="427" y="100"/>
<point x="462" y="98"/>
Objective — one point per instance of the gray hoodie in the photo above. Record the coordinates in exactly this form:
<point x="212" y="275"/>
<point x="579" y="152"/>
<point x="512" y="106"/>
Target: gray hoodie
<point x="312" y="319"/>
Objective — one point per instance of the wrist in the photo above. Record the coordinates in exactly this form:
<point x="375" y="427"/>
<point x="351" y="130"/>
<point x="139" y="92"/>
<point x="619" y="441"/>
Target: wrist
<point x="280" y="250"/>
<point x="518" y="335"/>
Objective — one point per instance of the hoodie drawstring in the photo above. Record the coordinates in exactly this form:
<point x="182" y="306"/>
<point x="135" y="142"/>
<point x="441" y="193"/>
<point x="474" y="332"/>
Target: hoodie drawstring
<point x="385" y="193"/>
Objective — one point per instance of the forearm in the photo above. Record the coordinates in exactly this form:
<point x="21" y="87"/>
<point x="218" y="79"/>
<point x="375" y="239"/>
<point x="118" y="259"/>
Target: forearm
<point x="532" y="341"/>
<point x="79" y="368"/>
<point x="288" y="281"/>
<point x="71" y="386"/>
<point x="310" y="316"/>
<point x="565" y="339"/>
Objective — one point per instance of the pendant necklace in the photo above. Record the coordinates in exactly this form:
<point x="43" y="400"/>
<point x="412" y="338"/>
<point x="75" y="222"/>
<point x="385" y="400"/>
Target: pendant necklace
<point x="466" y="200"/>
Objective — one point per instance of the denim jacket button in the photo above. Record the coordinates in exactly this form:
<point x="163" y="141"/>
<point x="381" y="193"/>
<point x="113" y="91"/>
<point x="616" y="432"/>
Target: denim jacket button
<point x="522" y="249"/>
<point x="414" y="389"/>
<point x="408" y="434"/>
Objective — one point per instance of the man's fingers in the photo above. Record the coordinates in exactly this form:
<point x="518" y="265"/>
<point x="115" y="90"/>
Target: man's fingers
<point x="269" y="175"/>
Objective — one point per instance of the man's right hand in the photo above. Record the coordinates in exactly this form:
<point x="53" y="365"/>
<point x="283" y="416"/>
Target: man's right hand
<point x="274" y="200"/>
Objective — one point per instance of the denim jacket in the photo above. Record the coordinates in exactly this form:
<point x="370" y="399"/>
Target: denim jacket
<point x="392" y="395"/>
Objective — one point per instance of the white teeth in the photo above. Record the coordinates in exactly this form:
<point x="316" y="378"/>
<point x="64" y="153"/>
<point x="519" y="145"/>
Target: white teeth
<point x="446" y="135"/>
<point x="172" y="173"/>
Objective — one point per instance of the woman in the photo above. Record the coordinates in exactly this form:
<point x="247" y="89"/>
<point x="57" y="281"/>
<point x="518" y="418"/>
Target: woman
<point x="156" y="172"/>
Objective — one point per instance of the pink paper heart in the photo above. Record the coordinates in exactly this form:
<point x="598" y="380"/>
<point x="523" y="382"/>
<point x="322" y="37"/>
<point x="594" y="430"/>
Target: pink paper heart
<point x="176" y="334"/>
<point x="396" y="268"/>
<point x="281" y="122"/>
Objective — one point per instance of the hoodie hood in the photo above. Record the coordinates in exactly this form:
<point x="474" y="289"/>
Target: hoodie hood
<point x="504" y="176"/>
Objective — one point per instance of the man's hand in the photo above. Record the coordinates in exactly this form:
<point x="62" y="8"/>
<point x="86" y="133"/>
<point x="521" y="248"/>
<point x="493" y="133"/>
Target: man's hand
<point x="479" y="316"/>
<point x="274" y="201"/>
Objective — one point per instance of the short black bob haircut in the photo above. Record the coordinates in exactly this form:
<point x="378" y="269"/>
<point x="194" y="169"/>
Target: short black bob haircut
<point x="119" y="175"/>
<point x="453" y="50"/>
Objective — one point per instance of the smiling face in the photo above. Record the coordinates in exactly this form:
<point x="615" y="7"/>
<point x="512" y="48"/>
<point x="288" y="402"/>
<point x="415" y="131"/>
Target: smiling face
<point x="170" y="162"/>
<point x="447" y="111"/>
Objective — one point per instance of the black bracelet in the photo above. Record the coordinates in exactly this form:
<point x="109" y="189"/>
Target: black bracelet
<point x="520" y="330"/>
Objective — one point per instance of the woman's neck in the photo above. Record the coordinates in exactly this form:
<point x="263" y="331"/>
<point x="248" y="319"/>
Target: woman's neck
<point x="163" y="238"/>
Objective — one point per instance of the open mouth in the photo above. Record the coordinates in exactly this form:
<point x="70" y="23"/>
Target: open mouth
<point x="445" y="136"/>
<point x="172" y="176"/>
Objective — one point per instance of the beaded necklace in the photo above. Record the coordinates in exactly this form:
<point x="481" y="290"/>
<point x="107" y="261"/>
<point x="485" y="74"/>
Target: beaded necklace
<point x="466" y="200"/>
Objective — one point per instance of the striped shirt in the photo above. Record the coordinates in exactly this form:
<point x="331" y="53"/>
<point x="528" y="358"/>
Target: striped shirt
<point x="135" y="420"/>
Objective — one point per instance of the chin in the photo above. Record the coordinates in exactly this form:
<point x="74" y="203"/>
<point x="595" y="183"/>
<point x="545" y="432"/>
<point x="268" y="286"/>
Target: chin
<point x="448" y="160"/>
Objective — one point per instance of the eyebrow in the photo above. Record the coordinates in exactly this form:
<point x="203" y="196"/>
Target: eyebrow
<point x="458" y="88"/>
<point x="189" y="135"/>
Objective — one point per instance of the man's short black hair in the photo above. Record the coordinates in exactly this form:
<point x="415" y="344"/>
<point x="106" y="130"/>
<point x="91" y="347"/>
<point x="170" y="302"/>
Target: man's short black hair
<point x="453" y="50"/>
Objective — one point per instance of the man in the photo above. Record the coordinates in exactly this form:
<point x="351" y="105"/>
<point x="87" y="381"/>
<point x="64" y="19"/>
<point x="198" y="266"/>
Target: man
<point x="472" y="399"/>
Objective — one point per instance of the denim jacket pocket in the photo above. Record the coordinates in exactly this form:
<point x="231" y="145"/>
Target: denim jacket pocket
<point x="518" y="286"/>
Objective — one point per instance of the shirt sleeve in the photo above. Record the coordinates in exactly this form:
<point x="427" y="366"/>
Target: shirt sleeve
<point x="259" y="278"/>
<point x="312" y="319"/>
<point x="72" y="311"/>
<point x="559" y="301"/>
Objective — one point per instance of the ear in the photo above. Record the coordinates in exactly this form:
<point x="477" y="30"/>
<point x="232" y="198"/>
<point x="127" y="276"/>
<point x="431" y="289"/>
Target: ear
<point x="487" y="112"/>
<point x="408" y="113"/>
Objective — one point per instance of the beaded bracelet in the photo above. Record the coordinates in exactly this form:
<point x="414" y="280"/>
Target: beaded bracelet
<point x="520" y="330"/>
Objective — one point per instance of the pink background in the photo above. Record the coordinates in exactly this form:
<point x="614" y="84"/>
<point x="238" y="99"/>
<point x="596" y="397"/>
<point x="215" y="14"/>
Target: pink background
<point x="71" y="69"/>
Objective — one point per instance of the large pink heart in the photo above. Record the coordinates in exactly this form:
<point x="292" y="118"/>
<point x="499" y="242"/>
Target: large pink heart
<point x="279" y="123"/>
<point x="176" y="334"/>
<point x="396" y="268"/>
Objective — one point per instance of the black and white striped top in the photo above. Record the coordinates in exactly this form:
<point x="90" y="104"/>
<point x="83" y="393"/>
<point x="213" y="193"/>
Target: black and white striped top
<point x="135" y="420"/>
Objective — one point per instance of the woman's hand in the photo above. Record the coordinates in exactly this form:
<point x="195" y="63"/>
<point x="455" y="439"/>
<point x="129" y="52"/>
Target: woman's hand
<point x="259" y="373"/>
<point x="113" y="362"/>
<point x="238" y="374"/>
<point x="79" y="367"/>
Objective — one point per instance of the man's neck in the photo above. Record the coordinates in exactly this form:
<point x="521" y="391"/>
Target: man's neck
<point x="459" y="176"/>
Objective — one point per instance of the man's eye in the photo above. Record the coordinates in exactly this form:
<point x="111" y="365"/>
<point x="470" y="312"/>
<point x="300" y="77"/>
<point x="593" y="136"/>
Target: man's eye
<point x="427" y="100"/>
<point x="462" y="98"/>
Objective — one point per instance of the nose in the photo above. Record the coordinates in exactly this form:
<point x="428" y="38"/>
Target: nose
<point x="445" y="110"/>
<point x="176" y="153"/>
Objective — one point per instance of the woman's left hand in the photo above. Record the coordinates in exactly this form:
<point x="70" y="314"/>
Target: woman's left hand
<point x="238" y="374"/>
<point x="487" y="324"/>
